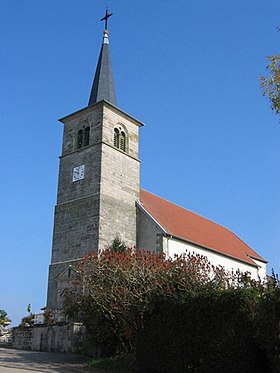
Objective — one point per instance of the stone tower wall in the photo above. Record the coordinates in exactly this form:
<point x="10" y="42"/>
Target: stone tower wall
<point x="76" y="217"/>
<point x="91" y="212"/>
<point x="120" y="178"/>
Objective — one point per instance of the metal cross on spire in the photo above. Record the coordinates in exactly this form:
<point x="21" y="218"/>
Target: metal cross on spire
<point x="105" y="18"/>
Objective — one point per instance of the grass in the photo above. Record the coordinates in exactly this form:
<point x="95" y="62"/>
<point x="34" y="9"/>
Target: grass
<point x="115" y="364"/>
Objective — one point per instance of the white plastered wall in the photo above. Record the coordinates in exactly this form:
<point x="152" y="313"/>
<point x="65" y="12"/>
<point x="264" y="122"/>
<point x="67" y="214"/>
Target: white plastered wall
<point x="172" y="247"/>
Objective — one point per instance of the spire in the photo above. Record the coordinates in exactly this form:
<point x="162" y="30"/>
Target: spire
<point x="103" y="84"/>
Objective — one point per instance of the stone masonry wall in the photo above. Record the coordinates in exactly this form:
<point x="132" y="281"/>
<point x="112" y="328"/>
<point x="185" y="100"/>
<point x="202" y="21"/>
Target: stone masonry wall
<point x="92" y="211"/>
<point x="76" y="219"/>
<point x="69" y="338"/>
<point x="120" y="181"/>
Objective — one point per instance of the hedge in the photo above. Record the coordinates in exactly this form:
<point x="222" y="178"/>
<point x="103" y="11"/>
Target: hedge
<point x="211" y="332"/>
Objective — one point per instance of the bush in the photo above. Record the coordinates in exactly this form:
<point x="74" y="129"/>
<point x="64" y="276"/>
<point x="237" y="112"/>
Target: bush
<point x="181" y="315"/>
<point x="113" y="291"/>
<point x="267" y="323"/>
<point x="210" y="332"/>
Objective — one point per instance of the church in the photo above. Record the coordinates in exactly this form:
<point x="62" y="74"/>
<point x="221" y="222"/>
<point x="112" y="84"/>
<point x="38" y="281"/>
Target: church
<point x="99" y="195"/>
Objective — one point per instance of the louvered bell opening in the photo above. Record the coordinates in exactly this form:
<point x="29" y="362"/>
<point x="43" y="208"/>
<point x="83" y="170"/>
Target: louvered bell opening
<point x="122" y="143"/>
<point x="86" y="136"/>
<point x="80" y="139"/>
<point x="116" y="138"/>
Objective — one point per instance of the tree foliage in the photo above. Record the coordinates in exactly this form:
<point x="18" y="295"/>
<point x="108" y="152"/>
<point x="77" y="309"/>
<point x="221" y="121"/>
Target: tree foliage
<point x="210" y="332"/>
<point x="118" y="245"/>
<point x="271" y="84"/>
<point x="268" y="324"/>
<point x="3" y="317"/>
<point x="211" y="320"/>
<point x="28" y="308"/>
<point x="113" y="291"/>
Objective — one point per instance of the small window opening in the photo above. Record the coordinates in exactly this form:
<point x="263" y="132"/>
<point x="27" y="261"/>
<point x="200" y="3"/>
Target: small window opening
<point x="86" y="136"/>
<point x="83" y="137"/>
<point x="80" y="139"/>
<point x="116" y="138"/>
<point x="122" y="142"/>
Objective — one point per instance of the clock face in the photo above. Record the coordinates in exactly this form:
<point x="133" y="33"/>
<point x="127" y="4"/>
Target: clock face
<point x="78" y="173"/>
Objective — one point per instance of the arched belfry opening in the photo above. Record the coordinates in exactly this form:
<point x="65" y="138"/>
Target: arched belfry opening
<point x="83" y="137"/>
<point x="120" y="138"/>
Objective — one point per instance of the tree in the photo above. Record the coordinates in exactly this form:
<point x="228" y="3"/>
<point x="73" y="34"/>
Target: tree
<point x="271" y="84"/>
<point x="3" y="317"/>
<point x="28" y="308"/>
<point x="27" y="320"/>
<point x="118" y="245"/>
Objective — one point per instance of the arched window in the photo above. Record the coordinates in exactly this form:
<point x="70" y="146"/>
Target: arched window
<point x="122" y="142"/>
<point x="116" y="138"/>
<point x="80" y="139"/>
<point x="120" y="138"/>
<point x="83" y="137"/>
<point x="86" y="136"/>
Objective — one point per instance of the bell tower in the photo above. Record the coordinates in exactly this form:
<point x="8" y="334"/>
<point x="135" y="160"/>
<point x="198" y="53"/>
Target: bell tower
<point x="99" y="178"/>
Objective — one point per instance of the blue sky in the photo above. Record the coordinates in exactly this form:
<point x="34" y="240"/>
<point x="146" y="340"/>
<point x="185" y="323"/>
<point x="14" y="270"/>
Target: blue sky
<point x="188" y="70"/>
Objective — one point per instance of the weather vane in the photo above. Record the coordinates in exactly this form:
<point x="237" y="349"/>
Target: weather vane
<point x="105" y="18"/>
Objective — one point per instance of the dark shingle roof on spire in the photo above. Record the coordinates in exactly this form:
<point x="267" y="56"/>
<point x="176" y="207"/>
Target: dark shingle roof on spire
<point x="103" y="87"/>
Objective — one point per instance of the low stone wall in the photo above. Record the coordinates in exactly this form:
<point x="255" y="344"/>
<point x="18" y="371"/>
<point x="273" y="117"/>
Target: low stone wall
<point x="68" y="338"/>
<point x="22" y="338"/>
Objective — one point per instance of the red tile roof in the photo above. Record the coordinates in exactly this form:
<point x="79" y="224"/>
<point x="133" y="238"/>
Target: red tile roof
<point x="188" y="226"/>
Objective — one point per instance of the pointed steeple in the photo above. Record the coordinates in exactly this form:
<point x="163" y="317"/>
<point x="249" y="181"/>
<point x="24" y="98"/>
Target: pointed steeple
<point x="103" y="87"/>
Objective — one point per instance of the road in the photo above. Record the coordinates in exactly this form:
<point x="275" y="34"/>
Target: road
<point x="16" y="361"/>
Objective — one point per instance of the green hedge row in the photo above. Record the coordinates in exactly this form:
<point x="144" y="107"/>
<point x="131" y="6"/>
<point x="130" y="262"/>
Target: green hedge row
<point x="236" y="330"/>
